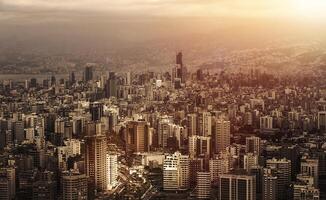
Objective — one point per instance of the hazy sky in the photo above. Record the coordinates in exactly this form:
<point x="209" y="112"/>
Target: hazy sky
<point x="64" y="21"/>
<point x="39" y="10"/>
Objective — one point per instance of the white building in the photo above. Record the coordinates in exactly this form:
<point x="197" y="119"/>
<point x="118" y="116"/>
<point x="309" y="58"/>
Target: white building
<point x="112" y="173"/>
<point x="176" y="172"/>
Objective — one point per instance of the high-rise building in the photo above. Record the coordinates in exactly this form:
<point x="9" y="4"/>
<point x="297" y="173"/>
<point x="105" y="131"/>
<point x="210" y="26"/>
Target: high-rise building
<point x="236" y="187"/>
<point x="72" y="78"/>
<point x="269" y="186"/>
<point x="88" y="74"/>
<point x="163" y="131"/>
<point x="321" y="123"/>
<point x="8" y="187"/>
<point x="179" y="70"/>
<point x="258" y="172"/>
<point x="249" y="160"/>
<point x="111" y="85"/>
<point x="282" y="169"/>
<point x="192" y="124"/>
<point x="195" y="165"/>
<point x="96" y="110"/>
<point x="45" y="187"/>
<point x="74" y="186"/>
<point x="96" y="160"/>
<point x="218" y="166"/>
<point x="222" y="137"/>
<point x="253" y="145"/>
<point x="137" y="136"/>
<point x="112" y="162"/>
<point x="53" y="81"/>
<point x="292" y="153"/>
<point x="199" y="145"/>
<point x="179" y="59"/>
<point x="19" y="131"/>
<point x="266" y="122"/>
<point x="4" y="187"/>
<point x="176" y="172"/>
<point x="305" y="192"/>
<point x="310" y="167"/>
<point x="203" y="189"/>
<point x="33" y="83"/>
<point x="207" y="124"/>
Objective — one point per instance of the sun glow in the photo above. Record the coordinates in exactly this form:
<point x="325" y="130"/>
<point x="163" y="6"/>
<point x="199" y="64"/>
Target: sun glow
<point x="311" y="8"/>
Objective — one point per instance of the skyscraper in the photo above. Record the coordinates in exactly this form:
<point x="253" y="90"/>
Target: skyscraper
<point x="203" y="189"/>
<point x="192" y="124"/>
<point x="282" y="168"/>
<point x="8" y="187"/>
<point x="137" y="136"/>
<point x="96" y="161"/>
<point x="321" y="125"/>
<point x="250" y="160"/>
<point x="88" y="74"/>
<point x="112" y="162"/>
<point x="269" y="185"/>
<point x="253" y="145"/>
<point x="176" y="172"/>
<point x="179" y="59"/>
<point x="72" y="78"/>
<point x="179" y="71"/>
<point x="310" y="167"/>
<point x="199" y="145"/>
<point x="305" y="192"/>
<point x="74" y="185"/>
<point x="19" y="131"/>
<point x="96" y="110"/>
<point x="222" y="137"/>
<point x="111" y="85"/>
<point x="217" y="166"/>
<point x="266" y="122"/>
<point x="237" y="187"/>
<point x="207" y="124"/>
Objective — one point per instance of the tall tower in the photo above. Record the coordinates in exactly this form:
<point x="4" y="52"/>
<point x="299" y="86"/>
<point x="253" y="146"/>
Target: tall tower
<point x="237" y="187"/>
<point x="179" y="71"/>
<point x="137" y="136"/>
<point x="250" y="160"/>
<point x="253" y="145"/>
<point x="199" y="145"/>
<point x="207" y="124"/>
<point x="176" y="172"/>
<point x="96" y="160"/>
<point x="112" y="162"/>
<point x="88" y="74"/>
<point x="8" y="187"/>
<point x="269" y="186"/>
<point x="203" y="189"/>
<point x="74" y="185"/>
<point x="222" y="137"/>
<point x="282" y="168"/>
<point x="310" y="167"/>
<point x="96" y="110"/>
<point x="219" y="166"/>
<point x="179" y="59"/>
<point x="111" y="85"/>
<point x="192" y="124"/>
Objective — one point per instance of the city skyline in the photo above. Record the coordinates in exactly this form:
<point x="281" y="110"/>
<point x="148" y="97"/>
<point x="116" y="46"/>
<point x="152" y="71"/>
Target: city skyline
<point x="162" y="99"/>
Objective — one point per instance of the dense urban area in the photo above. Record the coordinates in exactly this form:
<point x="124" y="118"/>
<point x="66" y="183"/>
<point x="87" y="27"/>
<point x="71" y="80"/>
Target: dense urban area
<point x="243" y="125"/>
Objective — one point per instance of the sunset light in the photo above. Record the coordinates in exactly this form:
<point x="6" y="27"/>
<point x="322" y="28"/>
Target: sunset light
<point x="163" y="99"/>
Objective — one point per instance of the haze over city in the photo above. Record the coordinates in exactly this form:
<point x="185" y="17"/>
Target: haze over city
<point x="61" y="24"/>
<point x="163" y="99"/>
